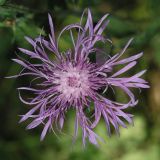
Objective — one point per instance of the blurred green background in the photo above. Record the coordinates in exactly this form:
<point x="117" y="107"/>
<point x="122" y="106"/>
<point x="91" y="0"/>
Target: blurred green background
<point x="129" y="18"/>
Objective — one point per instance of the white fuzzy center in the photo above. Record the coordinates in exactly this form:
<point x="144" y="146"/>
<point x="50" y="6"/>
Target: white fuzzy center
<point x="73" y="82"/>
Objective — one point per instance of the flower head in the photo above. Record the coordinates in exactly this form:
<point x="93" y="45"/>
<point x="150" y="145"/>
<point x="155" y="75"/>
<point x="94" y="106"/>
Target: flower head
<point x="72" y="80"/>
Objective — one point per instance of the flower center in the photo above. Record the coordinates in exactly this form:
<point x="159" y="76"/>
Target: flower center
<point x="73" y="82"/>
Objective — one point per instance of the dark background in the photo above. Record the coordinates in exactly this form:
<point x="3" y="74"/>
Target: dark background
<point x="129" y="18"/>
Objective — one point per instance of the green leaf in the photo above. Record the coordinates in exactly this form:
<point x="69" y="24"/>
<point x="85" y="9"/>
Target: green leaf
<point x="25" y="27"/>
<point x="2" y="2"/>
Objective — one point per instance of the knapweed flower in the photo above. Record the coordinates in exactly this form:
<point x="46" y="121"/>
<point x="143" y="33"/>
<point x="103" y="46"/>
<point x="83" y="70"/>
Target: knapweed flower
<point x="70" y="80"/>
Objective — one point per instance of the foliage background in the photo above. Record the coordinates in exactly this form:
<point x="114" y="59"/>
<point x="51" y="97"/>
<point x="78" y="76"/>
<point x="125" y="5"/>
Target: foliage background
<point x="129" y="18"/>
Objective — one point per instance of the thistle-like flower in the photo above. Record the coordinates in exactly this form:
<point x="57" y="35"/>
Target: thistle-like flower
<point x="71" y="80"/>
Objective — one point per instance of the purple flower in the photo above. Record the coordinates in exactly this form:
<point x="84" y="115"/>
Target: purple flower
<point x="70" y="80"/>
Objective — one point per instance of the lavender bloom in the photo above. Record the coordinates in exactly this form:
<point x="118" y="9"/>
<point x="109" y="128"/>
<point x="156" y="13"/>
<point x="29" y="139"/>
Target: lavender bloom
<point x="71" y="81"/>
